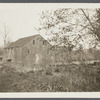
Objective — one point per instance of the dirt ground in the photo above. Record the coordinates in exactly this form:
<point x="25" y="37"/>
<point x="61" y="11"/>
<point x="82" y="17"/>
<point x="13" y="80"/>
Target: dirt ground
<point x="69" y="79"/>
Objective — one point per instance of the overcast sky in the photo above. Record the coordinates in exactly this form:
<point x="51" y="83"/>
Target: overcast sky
<point x="20" y="19"/>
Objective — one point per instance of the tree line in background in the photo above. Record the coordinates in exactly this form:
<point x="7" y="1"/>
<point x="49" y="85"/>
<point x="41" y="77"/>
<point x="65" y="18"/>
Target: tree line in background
<point x="74" y="29"/>
<point x="69" y="27"/>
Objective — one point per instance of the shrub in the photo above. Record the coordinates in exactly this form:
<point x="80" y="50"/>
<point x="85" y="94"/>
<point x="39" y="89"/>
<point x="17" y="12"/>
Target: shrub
<point x="49" y="71"/>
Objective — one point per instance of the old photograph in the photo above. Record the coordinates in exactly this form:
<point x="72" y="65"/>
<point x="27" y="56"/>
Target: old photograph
<point x="49" y="48"/>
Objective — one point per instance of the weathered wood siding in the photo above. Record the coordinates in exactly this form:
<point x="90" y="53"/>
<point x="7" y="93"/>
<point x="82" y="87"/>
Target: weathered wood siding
<point x="17" y="54"/>
<point x="9" y="54"/>
<point x="35" y="55"/>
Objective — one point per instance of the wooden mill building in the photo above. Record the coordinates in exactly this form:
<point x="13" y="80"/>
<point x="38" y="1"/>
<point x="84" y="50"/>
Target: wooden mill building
<point x="28" y="52"/>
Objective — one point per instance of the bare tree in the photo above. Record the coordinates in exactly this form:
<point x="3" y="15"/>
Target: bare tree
<point x="67" y="26"/>
<point x="93" y="25"/>
<point x="61" y="26"/>
<point x="71" y="27"/>
<point x="6" y="36"/>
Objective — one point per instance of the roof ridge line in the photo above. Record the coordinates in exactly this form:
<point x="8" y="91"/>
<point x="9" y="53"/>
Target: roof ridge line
<point x="21" y="41"/>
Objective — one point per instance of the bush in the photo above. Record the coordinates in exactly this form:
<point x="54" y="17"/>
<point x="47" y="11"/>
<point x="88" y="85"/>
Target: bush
<point x="59" y="69"/>
<point x="49" y="71"/>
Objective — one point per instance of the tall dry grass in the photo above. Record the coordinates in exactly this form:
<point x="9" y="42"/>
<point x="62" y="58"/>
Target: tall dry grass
<point x="69" y="78"/>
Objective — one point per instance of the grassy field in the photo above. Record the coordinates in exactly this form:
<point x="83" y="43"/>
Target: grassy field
<point x="70" y="78"/>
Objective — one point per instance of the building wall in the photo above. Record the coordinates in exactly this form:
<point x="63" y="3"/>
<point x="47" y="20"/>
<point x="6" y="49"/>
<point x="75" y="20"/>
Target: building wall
<point x="38" y="55"/>
<point x="8" y="54"/>
<point x="35" y="55"/>
<point x="17" y="55"/>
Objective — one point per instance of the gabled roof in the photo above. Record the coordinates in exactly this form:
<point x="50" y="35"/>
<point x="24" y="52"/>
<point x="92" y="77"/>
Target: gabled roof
<point x="21" y="41"/>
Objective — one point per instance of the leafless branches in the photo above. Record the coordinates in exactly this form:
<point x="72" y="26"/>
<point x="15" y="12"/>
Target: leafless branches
<point x="5" y="35"/>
